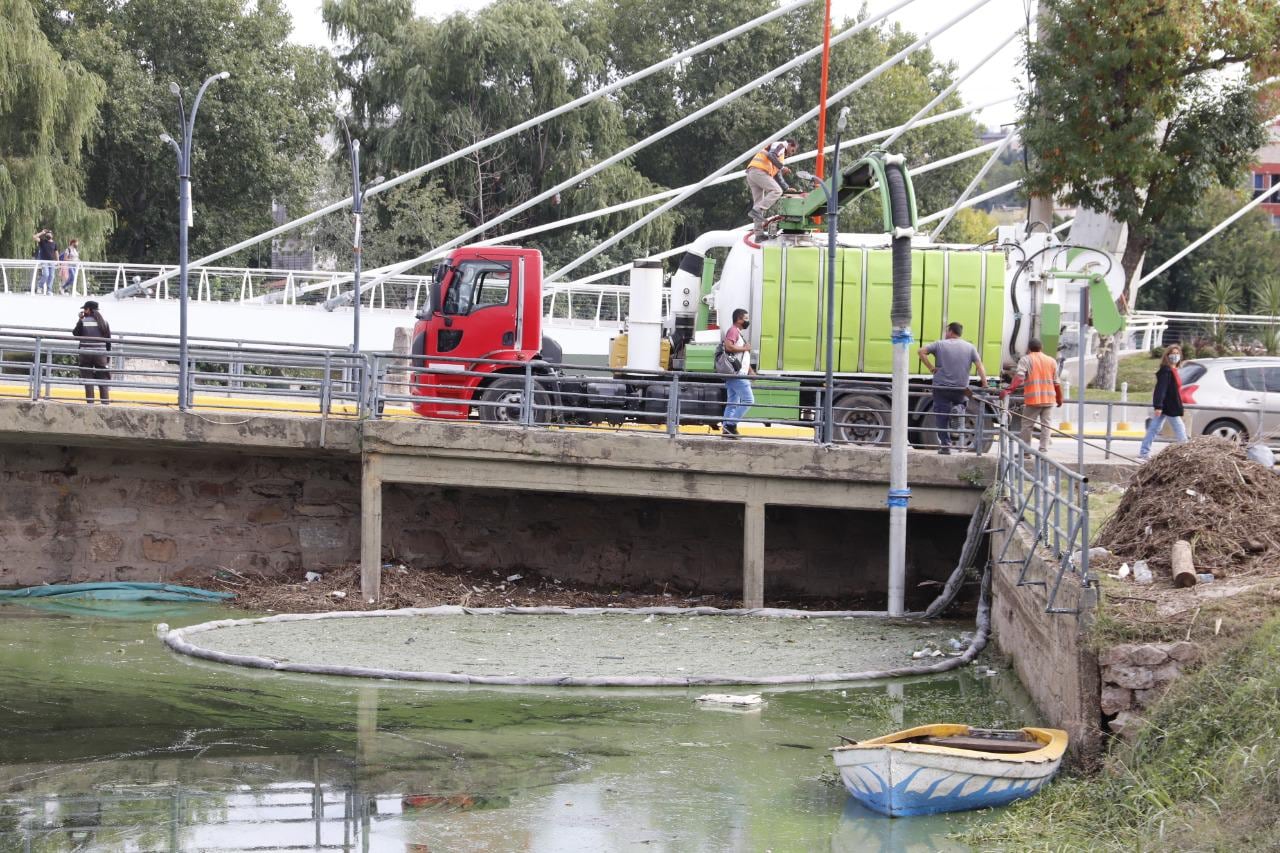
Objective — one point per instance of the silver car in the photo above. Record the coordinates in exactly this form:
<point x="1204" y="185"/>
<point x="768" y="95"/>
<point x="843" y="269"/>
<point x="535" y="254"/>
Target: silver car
<point x="1236" y="398"/>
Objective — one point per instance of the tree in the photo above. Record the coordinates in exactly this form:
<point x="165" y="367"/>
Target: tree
<point x="257" y="136"/>
<point x="426" y="88"/>
<point x="48" y="110"/>
<point x="1136" y="111"/>
<point x="970" y="225"/>
<point x="645" y="31"/>
<point x="1246" y="253"/>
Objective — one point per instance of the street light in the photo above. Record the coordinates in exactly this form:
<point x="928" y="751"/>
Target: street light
<point x="186" y="125"/>
<point x="832" y="194"/>
<point x="357" y="211"/>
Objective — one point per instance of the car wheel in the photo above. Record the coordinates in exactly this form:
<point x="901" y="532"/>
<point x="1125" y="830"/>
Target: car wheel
<point x="1228" y="429"/>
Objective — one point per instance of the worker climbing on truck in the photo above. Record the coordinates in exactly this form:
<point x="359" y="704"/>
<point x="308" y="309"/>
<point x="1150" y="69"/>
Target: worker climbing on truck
<point x="767" y="179"/>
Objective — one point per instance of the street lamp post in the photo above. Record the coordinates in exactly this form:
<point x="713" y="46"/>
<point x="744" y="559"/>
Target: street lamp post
<point x="187" y="125"/>
<point x="357" y="213"/>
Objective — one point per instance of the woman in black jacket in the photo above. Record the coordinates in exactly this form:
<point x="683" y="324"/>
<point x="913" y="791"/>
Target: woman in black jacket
<point x="1166" y="400"/>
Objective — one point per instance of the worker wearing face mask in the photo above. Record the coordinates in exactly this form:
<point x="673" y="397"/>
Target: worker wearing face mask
<point x="738" y="396"/>
<point x="1167" y="401"/>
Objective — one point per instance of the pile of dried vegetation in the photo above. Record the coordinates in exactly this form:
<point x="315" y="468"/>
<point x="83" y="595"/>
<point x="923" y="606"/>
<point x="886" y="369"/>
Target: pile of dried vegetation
<point x="1208" y="493"/>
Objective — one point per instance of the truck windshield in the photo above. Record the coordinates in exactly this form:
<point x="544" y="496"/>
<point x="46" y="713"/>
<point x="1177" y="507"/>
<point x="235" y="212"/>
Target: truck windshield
<point x="477" y="284"/>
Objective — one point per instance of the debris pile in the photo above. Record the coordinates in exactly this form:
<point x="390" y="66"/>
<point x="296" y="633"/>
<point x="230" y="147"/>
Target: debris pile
<point x="404" y="586"/>
<point x="1206" y="492"/>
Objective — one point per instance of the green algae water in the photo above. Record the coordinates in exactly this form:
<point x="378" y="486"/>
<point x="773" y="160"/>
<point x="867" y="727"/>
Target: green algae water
<point x="111" y="742"/>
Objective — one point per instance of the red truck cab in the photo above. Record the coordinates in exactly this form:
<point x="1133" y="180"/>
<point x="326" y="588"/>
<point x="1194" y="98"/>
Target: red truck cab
<point x="485" y="305"/>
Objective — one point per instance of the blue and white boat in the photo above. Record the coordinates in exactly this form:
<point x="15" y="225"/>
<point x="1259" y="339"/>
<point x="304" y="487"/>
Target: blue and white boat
<point x="947" y="768"/>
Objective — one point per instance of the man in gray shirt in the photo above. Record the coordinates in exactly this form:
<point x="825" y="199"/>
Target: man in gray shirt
<point x="953" y="356"/>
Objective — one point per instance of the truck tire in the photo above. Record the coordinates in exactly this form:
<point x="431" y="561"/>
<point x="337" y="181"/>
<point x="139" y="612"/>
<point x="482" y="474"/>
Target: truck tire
<point x="862" y="419"/>
<point x="501" y="400"/>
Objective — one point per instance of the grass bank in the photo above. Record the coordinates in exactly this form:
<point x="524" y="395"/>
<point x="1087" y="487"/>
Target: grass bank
<point x="1139" y="370"/>
<point x="1203" y="774"/>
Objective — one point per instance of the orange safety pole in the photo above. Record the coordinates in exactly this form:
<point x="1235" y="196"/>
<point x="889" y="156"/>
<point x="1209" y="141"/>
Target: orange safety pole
<point x="822" y="92"/>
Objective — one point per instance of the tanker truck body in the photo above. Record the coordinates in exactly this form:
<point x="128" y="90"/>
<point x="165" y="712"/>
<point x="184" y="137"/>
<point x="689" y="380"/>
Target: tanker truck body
<point x="1003" y="295"/>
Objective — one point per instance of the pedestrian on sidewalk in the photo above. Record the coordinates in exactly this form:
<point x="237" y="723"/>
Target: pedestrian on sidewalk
<point x="953" y="356"/>
<point x="738" y="396"/>
<point x="1167" y="402"/>
<point x="95" y="343"/>
<point x="1037" y="373"/>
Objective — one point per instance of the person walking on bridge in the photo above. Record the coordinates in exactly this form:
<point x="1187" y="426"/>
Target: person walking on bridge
<point x="738" y="396"/>
<point x="47" y="255"/>
<point x="95" y="343"/>
<point x="766" y="178"/>
<point x="954" y="356"/>
<point x="1037" y="373"/>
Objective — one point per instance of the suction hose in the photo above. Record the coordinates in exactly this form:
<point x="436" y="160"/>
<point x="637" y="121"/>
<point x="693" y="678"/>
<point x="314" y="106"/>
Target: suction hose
<point x="900" y="317"/>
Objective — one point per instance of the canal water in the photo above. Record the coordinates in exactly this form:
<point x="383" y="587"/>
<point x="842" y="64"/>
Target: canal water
<point x="109" y="741"/>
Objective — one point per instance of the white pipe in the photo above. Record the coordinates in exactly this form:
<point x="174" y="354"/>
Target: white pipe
<point x="973" y="184"/>
<point x="898" y="479"/>
<point x="1065" y="225"/>
<point x="627" y="152"/>
<point x="497" y="137"/>
<point x="836" y="98"/>
<point x="1208" y="235"/>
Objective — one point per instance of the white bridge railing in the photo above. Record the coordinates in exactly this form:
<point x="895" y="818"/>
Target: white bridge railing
<point x="583" y="305"/>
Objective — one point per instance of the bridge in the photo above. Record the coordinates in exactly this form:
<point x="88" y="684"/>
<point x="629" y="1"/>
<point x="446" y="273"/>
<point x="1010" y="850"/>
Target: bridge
<point x="111" y="491"/>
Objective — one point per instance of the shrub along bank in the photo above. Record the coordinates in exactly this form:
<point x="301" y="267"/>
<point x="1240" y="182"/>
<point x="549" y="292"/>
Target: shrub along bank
<point x="1203" y="773"/>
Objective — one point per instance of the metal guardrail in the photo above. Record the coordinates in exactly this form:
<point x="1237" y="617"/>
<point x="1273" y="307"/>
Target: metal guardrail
<point x="246" y="376"/>
<point x="1052" y="502"/>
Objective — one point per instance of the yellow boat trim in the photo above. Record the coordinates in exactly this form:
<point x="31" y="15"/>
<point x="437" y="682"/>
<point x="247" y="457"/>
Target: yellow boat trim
<point x="1054" y="743"/>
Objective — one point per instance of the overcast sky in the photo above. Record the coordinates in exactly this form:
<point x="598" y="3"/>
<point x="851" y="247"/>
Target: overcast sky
<point x="965" y="43"/>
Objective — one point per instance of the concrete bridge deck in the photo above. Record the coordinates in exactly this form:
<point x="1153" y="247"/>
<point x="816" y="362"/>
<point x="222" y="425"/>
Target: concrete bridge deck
<point x="748" y="473"/>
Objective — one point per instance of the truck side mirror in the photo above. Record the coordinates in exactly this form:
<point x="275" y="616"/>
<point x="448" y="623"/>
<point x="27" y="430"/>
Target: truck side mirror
<point x="433" y="299"/>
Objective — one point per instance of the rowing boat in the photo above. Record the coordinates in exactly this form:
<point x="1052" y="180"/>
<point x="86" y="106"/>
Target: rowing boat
<point x="947" y="768"/>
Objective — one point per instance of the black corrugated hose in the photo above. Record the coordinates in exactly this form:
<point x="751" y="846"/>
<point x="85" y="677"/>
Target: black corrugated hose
<point x="900" y="314"/>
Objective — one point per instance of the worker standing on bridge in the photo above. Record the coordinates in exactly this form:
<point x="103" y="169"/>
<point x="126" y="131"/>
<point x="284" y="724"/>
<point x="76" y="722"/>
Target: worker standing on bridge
<point x="766" y="178"/>
<point x="95" y="343"/>
<point x="738" y="396"/>
<point x="1038" y="374"/>
<point x="954" y="356"/>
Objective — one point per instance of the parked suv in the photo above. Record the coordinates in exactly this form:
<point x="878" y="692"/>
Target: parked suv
<point x="1236" y="398"/>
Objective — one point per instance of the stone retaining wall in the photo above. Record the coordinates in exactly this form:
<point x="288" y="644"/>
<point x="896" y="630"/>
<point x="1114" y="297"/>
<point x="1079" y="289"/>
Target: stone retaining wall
<point x="1135" y="675"/>
<point x="101" y="514"/>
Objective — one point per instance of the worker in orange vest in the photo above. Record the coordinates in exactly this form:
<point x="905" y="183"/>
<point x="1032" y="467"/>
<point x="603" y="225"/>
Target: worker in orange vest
<point x="766" y="178"/>
<point x="1037" y="373"/>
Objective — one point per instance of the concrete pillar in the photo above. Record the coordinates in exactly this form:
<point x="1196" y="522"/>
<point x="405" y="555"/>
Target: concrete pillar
<point x="371" y="528"/>
<point x="753" y="554"/>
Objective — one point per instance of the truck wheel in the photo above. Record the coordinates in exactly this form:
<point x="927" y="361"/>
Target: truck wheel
<point x="862" y="419"/>
<point x="501" y="401"/>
